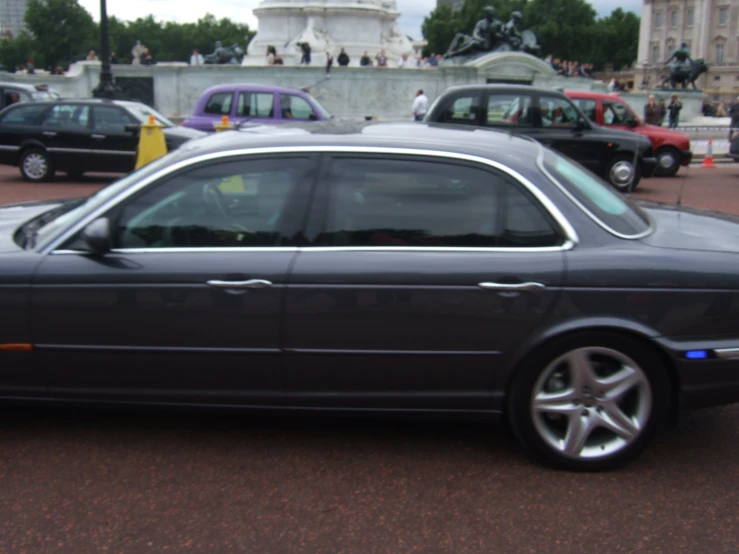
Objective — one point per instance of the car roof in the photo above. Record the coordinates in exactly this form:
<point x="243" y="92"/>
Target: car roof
<point x="86" y="101"/>
<point x="501" y="88"/>
<point x="250" y="86"/>
<point x="25" y="86"/>
<point x="510" y="149"/>
<point x="590" y="94"/>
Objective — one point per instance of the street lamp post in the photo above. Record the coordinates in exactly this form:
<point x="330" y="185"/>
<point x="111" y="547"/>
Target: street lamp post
<point x="644" y="82"/>
<point x="106" y="87"/>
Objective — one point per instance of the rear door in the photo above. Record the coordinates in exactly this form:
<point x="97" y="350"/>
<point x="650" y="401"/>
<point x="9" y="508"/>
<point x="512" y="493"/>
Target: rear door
<point x="114" y="148"/>
<point x="66" y="134"/>
<point x="255" y="107"/>
<point x="18" y="125"/>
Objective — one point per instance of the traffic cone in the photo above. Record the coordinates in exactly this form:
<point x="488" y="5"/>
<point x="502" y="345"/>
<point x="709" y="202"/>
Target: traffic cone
<point x="708" y="158"/>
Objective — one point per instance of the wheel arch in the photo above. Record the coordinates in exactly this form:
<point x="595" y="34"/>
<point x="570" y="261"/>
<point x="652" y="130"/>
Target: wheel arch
<point x="638" y="332"/>
<point x="29" y="143"/>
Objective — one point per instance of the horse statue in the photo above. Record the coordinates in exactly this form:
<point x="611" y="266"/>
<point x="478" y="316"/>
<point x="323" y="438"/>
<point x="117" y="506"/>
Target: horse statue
<point x="686" y="75"/>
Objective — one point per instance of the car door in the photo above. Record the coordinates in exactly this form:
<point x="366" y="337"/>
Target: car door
<point x="113" y="148"/>
<point x="187" y="306"/>
<point x="618" y="115"/>
<point x="294" y="107"/>
<point x="422" y="276"/>
<point x="66" y="134"/>
<point x="255" y="107"/>
<point x="19" y="125"/>
<point x="557" y="129"/>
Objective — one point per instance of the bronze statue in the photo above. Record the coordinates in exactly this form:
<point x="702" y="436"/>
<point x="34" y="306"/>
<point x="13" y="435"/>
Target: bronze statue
<point x="491" y="35"/>
<point x="224" y="54"/>
<point x="487" y="33"/>
<point x="683" y="69"/>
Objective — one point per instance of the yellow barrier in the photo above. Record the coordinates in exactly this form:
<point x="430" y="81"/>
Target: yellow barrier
<point x="224" y="125"/>
<point x="151" y="143"/>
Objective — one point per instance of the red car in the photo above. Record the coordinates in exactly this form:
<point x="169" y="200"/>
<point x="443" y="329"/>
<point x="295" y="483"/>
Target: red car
<point x="671" y="147"/>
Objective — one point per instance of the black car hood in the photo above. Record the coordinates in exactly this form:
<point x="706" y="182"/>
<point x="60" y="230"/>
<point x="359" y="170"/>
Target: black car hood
<point x="13" y="216"/>
<point x="682" y="228"/>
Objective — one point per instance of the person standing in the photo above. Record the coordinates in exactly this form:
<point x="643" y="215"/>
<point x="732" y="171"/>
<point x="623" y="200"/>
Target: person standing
<point x="343" y="58"/>
<point x="734" y="115"/>
<point x="420" y="105"/>
<point x="196" y="58"/>
<point x="673" y="111"/>
<point x="652" y="114"/>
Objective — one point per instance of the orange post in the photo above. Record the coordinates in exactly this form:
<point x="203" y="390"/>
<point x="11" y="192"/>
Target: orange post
<point x="708" y="158"/>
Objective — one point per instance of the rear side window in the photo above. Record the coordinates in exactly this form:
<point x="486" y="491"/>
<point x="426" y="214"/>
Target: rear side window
<point x="219" y="103"/>
<point x="255" y="104"/>
<point x="24" y="115"/>
<point x="509" y="109"/>
<point x="424" y="204"/>
<point x="463" y="110"/>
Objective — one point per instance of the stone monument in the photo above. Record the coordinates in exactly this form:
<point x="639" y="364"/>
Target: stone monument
<point x="358" y="26"/>
<point x="683" y="70"/>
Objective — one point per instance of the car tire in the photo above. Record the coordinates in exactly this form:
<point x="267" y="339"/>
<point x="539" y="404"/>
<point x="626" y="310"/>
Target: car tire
<point x="622" y="173"/>
<point x="589" y="402"/>
<point x="35" y="165"/>
<point x="668" y="161"/>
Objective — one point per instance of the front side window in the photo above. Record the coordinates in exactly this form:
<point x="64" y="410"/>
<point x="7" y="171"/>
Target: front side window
<point x="609" y="207"/>
<point x="392" y="203"/>
<point x="463" y="110"/>
<point x="616" y="113"/>
<point x="509" y="110"/>
<point x="222" y="205"/>
<point x="28" y="114"/>
<point x="255" y="104"/>
<point x="295" y="107"/>
<point x="68" y="116"/>
<point x="219" y="103"/>
<point x="557" y="112"/>
<point x="107" y="119"/>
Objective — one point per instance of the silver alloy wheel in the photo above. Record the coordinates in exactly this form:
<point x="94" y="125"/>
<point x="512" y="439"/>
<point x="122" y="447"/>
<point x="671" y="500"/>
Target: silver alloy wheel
<point x="667" y="159"/>
<point x="35" y="166"/>
<point x="591" y="403"/>
<point x="622" y="173"/>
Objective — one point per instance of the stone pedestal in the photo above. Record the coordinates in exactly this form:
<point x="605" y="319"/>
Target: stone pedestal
<point x="355" y="25"/>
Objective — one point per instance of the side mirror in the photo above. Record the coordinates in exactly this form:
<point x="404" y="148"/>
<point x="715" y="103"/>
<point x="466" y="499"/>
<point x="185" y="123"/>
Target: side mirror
<point x="313" y="116"/>
<point x="132" y="128"/>
<point x="579" y="124"/>
<point x="97" y="236"/>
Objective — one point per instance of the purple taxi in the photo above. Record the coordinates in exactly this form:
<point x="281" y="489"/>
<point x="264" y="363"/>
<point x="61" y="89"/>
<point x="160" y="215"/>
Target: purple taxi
<point x="256" y="104"/>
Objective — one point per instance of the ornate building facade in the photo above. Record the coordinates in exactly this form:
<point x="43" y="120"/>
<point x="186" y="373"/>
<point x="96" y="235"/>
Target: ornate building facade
<point x="711" y="30"/>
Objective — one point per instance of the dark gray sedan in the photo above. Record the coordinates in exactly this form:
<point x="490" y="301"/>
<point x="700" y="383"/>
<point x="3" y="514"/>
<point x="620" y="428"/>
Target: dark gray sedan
<point x="377" y="268"/>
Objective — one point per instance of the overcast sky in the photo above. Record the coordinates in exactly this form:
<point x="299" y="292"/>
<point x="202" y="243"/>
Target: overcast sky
<point x="412" y="11"/>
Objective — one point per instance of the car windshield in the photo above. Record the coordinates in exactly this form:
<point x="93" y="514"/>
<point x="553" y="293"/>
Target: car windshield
<point x="142" y="113"/>
<point x="74" y="211"/>
<point x="324" y="112"/>
<point x="609" y="208"/>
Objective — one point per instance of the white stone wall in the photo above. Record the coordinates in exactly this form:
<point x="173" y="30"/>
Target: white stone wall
<point x="349" y="93"/>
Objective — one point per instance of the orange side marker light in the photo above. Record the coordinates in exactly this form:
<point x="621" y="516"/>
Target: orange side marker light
<point x="16" y="347"/>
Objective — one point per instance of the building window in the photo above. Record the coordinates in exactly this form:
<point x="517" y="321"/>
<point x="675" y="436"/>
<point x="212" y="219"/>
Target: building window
<point x="673" y="19"/>
<point x="658" y="20"/>
<point x="719" y="53"/>
<point x="717" y="77"/>
<point x="655" y="54"/>
<point x="723" y="16"/>
<point x="691" y="17"/>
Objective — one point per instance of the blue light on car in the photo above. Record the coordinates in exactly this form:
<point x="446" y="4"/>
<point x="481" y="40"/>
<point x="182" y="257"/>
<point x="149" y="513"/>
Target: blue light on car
<point x="696" y="354"/>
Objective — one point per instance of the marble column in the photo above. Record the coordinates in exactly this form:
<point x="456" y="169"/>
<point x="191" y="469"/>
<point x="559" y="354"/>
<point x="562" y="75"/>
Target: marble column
<point x="645" y="33"/>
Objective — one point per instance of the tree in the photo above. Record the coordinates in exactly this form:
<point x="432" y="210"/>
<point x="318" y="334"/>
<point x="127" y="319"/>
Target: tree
<point x="17" y="50"/>
<point x="64" y="31"/>
<point x="618" y="39"/>
<point x="565" y="28"/>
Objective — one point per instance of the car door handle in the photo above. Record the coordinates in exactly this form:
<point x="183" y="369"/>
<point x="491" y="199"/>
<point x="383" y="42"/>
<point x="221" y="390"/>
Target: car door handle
<point x="513" y="287"/>
<point x="49" y="133"/>
<point x="98" y="136"/>
<point x="249" y="284"/>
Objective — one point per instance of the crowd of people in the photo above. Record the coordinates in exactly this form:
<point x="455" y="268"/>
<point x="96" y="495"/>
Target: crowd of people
<point x="655" y="111"/>
<point x="570" y="68"/>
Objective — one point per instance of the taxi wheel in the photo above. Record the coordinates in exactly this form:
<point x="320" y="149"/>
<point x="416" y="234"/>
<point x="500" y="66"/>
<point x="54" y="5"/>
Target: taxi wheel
<point x="35" y="165"/>
<point x="622" y="173"/>
<point x="668" y="161"/>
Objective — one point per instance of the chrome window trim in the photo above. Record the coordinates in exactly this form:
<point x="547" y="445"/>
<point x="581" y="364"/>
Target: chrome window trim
<point x="591" y="215"/>
<point x="571" y="237"/>
<point x="310" y="249"/>
<point x="727" y="353"/>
